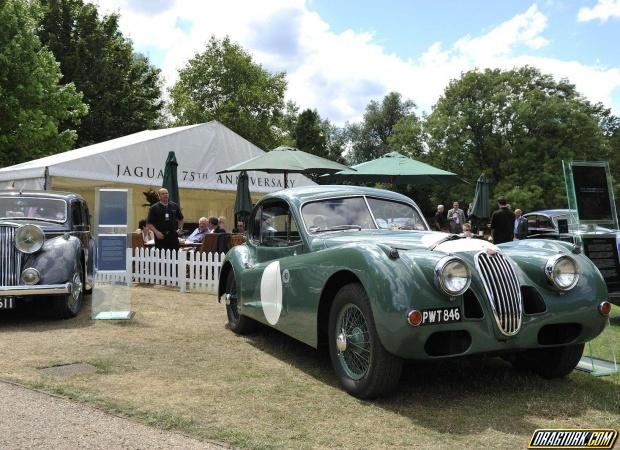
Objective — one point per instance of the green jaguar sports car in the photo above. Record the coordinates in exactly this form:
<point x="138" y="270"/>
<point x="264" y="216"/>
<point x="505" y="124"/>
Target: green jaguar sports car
<point x="360" y="269"/>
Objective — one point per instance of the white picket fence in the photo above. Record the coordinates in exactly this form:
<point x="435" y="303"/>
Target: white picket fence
<point x="183" y="269"/>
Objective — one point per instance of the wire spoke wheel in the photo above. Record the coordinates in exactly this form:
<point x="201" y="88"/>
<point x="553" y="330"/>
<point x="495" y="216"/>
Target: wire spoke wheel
<point x="354" y="351"/>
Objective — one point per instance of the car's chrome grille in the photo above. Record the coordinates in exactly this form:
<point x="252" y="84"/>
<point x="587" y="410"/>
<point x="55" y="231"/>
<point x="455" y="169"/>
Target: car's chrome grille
<point x="502" y="288"/>
<point x="10" y="257"/>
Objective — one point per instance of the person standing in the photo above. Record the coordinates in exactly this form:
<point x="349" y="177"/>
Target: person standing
<point x="502" y="223"/>
<point x="520" y="225"/>
<point x="166" y="221"/>
<point x="441" y="223"/>
<point x="456" y="217"/>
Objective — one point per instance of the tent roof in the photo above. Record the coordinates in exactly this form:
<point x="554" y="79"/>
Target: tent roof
<point x="139" y="158"/>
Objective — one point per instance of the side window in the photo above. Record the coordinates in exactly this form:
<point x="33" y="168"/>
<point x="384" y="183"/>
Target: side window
<point x="85" y="214"/>
<point x="545" y="222"/>
<point x="277" y="227"/>
<point x="254" y="225"/>
<point x="532" y="221"/>
<point x="76" y="213"/>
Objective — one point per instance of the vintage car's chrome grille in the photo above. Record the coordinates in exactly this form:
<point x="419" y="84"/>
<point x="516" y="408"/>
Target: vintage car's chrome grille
<point x="10" y="257"/>
<point x="502" y="287"/>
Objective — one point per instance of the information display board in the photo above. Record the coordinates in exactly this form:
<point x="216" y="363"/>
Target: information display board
<point x="112" y="293"/>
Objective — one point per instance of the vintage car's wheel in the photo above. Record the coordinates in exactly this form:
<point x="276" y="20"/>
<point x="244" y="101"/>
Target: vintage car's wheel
<point x="364" y="367"/>
<point x="552" y="362"/>
<point x="236" y="322"/>
<point x="69" y="305"/>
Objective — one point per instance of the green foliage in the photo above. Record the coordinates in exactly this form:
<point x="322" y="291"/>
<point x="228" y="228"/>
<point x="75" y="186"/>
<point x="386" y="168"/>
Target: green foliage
<point x="223" y="83"/>
<point x="517" y="126"/>
<point x="37" y="113"/>
<point x="121" y="88"/>
<point x="407" y="137"/>
<point x="309" y="134"/>
<point x="370" y="138"/>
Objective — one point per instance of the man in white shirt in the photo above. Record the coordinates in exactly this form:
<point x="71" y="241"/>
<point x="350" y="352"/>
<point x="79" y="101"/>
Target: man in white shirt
<point x="199" y="233"/>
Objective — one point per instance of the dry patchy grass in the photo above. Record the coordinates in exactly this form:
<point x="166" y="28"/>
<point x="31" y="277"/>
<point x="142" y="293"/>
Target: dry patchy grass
<point x="175" y="365"/>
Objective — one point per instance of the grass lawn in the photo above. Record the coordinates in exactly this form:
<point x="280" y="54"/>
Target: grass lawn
<point x="175" y="365"/>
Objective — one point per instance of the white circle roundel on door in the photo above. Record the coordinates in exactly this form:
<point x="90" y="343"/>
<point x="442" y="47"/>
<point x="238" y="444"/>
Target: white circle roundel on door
<point x="271" y="292"/>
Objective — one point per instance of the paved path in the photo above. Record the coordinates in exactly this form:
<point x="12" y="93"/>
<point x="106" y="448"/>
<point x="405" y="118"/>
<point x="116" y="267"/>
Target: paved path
<point x="35" y="420"/>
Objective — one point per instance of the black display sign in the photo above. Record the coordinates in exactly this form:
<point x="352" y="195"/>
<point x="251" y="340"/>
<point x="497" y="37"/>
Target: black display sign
<point x="112" y="252"/>
<point x="603" y="251"/>
<point x="592" y="193"/>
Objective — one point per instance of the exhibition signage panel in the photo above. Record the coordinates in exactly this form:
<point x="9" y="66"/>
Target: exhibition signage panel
<point x="112" y="293"/>
<point x="594" y="223"/>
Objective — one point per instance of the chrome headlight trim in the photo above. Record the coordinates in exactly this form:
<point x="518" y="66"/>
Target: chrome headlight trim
<point x="441" y="272"/>
<point x="551" y="273"/>
<point x="29" y="238"/>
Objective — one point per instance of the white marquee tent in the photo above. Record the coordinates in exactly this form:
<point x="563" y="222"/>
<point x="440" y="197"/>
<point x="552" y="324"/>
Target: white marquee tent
<point x="137" y="161"/>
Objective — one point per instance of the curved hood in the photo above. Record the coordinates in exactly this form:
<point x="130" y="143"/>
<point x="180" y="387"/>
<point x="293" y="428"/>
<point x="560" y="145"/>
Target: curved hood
<point x="404" y="240"/>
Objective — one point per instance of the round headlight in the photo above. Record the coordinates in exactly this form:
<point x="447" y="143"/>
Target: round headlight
<point x="29" y="238"/>
<point x="452" y="276"/>
<point x="562" y="272"/>
<point x="31" y="276"/>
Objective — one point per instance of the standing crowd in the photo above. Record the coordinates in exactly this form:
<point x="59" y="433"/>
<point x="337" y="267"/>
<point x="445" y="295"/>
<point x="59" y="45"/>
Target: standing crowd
<point x="506" y="225"/>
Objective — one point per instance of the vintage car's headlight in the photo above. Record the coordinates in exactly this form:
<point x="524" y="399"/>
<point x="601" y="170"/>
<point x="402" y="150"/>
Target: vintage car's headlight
<point x="562" y="272"/>
<point x="31" y="276"/>
<point x="29" y="238"/>
<point x="452" y="276"/>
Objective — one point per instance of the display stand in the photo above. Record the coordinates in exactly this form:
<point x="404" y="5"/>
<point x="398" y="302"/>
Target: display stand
<point x="591" y="220"/>
<point x="112" y="293"/>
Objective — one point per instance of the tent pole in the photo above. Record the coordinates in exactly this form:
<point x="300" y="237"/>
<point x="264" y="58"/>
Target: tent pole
<point x="285" y="180"/>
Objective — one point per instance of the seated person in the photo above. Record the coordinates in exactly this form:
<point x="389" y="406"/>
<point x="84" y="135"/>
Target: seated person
<point x="215" y="225"/>
<point x="221" y="224"/>
<point x="147" y="234"/>
<point x="198" y="234"/>
<point x="240" y="229"/>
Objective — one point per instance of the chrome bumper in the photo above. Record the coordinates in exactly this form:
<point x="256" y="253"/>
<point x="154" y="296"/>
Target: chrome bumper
<point x="44" y="289"/>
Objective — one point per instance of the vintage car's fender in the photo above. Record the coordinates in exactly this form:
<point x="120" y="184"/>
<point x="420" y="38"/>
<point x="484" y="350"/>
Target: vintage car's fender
<point x="56" y="259"/>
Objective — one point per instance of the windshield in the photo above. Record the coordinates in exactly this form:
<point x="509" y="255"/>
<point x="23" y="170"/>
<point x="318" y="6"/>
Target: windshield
<point x="33" y="208"/>
<point x="352" y="212"/>
<point x="390" y="214"/>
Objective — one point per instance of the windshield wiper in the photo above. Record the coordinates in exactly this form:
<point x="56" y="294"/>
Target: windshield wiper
<point x="336" y="228"/>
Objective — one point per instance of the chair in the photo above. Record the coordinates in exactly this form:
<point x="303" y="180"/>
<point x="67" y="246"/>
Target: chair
<point x="209" y="243"/>
<point x="237" y="239"/>
<point x="137" y="241"/>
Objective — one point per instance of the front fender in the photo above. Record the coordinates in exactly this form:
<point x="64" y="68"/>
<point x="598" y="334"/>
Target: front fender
<point x="56" y="260"/>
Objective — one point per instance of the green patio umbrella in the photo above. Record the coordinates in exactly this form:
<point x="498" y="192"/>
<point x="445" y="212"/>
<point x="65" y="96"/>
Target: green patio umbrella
<point x="243" y="200"/>
<point x="395" y="168"/>
<point x="170" y="178"/>
<point x="287" y="160"/>
<point x="481" y="206"/>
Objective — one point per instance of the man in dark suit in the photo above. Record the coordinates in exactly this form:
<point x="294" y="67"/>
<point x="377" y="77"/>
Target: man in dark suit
<point x="215" y="225"/>
<point x="502" y="223"/>
<point x="520" y="225"/>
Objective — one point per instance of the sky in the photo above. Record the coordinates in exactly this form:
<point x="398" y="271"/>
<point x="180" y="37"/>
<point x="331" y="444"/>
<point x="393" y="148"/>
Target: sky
<point x="340" y="54"/>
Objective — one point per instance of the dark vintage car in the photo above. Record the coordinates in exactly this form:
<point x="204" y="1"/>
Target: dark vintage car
<point x="359" y="269"/>
<point x="46" y="250"/>
<point x="600" y="244"/>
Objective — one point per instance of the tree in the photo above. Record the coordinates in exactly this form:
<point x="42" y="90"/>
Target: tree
<point x="37" y="113"/>
<point x="408" y="138"/>
<point x="369" y="139"/>
<point x="223" y="83"/>
<point x="309" y="134"/>
<point x="516" y="126"/>
<point x="121" y="88"/>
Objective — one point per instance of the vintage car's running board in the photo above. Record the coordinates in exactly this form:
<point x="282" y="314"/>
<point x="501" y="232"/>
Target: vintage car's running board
<point x="45" y="289"/>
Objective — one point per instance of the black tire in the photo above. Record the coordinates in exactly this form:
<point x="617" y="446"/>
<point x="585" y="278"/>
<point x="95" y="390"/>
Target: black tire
<point x="549" y="363"/>
<point x="236" y="322"/>
<point x="364" y="368"/>
<point x="67" y="306"/>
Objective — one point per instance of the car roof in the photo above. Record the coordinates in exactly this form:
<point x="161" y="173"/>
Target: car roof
<point x="304" y="194"/>
<point x="549" y="212"/>
<point x="61" y="195"/>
